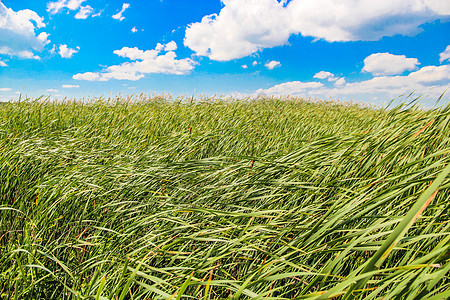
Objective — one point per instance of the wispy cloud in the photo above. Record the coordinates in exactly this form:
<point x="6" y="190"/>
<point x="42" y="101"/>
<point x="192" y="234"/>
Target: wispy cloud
<point x="83" y="11"/>
<point x="445" y="55"/>
<point x="119" y="16"/>
<point x="56" y="6"/>
<point x="26" y="54"/>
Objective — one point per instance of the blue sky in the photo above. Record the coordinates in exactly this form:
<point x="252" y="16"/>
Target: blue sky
<point x="368" y="51"/>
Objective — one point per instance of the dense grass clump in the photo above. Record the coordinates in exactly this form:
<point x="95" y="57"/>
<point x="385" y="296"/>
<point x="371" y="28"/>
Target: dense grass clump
<point x="152" y="198"/>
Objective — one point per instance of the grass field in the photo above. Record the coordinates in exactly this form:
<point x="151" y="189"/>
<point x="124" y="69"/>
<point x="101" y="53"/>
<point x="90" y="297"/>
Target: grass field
<point x="153" y="198"/>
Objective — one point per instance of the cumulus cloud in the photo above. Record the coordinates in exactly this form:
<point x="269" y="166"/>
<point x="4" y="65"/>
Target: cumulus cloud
<point x="241" y="28"/>
<point x="340" y="81"/>
<point x="51" y="90"/>
<point x="389" y="64"/>
<point x="431" y="74"/>
<point x="18" y="35"/>
<point x="119" y="16"/>
<point x="133" y="30"/>
<point x="90" y="76"/>
<point x="445" y="55"/>
<point x="170" y="46"/>
<point x="3" y="64"/>
<point x="272" y="65"/>
<point x="255" y="63"/>
<point x="70" y="86"/>
<point x="325" y="75"/>
<point x="67" y="52"/>
<point x="429" y="80"/>
<point x="142" y="62"/>
<point x="43" y="38"/>
<point x="246" y="26"/>
<point x="244" y="67"/>
<point x="5" y="89"/>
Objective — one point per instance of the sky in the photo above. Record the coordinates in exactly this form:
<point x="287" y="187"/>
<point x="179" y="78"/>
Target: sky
<point x="366" y="51"/>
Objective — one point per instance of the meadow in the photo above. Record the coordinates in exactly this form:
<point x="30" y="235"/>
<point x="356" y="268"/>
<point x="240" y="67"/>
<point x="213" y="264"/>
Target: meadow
<point x="148" y="197"/>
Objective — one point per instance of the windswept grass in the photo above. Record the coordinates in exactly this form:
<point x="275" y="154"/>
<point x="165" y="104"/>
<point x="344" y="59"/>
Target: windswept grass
<point x="152" y="198"/>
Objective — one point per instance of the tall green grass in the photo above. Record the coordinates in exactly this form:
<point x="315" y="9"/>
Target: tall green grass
<point x="154" y="198"/>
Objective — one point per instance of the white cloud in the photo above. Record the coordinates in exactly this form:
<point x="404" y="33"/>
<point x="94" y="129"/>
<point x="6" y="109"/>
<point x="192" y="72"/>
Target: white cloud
<point x="133" y="30"/>
<point x="392" y="86"/>
<point x="27" y="54"/>
<point x="431" y="74"/>
<point x="67" y="52"/>
<point x="57" y="6"/>
<point x="445" y="55"/>
<point x="70" y="86"/>
<point x="21" y="54"/>
<point x="325" y="75"/>
<point x="90" y="76"/>
<point x="18" y="32"/>
<point x="119" y="16"/>
<point x="170" y="46"/>
<point x="84" y="12"/>
<point x="246" y="26"/>
<point x="241" y="28"/>
<point x="290" y="88"/>
<point x="5" y="89"/>
<point x="272" y="64"/>
<point x="389" y="64"/>
<point x="244" y="67"/>
<point x="348" y="20"/>
<point x="340" y="81"/>
<point x="51" y="90"/>
<point x="142" y="62"/>
<point x="429" y="80"/>
<point x="43" y="38"/>
<point x="3" y="64"/>
<point x="53" y="50"/>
